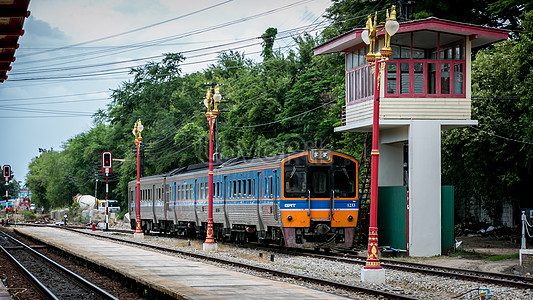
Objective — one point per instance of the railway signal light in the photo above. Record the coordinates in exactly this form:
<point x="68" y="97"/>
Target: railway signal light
<point x="7" y="172"/>
<point x="107" y="162"/>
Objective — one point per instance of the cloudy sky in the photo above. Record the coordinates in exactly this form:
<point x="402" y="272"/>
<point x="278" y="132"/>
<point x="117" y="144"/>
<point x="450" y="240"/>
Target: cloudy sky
<point x="74" y="52"/>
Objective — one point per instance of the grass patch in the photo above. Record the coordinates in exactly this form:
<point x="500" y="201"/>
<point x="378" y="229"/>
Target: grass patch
<point x="501" y="257"/>
<point x="458" y="253"/>
<point x="299" y="268"/>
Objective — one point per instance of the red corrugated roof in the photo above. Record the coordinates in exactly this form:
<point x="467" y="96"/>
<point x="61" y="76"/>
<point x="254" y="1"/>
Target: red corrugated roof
<point x="12" y="16"/>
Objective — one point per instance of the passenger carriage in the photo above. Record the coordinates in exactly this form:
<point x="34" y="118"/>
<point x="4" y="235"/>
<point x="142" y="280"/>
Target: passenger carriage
<point x="300" y="200"/>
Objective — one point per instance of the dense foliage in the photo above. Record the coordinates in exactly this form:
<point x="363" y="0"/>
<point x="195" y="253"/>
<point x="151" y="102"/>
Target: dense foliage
<point x="493" y="161"/>
<point x="293" y="100"/>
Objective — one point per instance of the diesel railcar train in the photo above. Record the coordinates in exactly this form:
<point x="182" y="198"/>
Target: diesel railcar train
<point x="306" y="199"/>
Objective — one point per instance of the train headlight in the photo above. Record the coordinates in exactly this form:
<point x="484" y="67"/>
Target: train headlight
<point x="350" y="218"/>
<point x="289" y="218"/>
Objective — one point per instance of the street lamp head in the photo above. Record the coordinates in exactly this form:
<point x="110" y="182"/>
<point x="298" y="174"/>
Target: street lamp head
<point x="392" y="26"/>
<point x="364" y="36"/>
<point x="216" y="97"/>
<point x="140" y="127"/>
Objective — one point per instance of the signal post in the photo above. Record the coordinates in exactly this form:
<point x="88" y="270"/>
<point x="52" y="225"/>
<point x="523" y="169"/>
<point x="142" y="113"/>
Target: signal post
<point x="107" y="167"/>
<point x="7" y="176"/>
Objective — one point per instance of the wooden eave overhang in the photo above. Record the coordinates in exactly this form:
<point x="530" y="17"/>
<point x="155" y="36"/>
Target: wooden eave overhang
<point x="12" y="16"/>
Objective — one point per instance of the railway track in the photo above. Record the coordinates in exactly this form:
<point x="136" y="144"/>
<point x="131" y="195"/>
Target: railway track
<point x="282" y="274"/>
<point x="51" y="279"/>
<point x="517" y="281"/>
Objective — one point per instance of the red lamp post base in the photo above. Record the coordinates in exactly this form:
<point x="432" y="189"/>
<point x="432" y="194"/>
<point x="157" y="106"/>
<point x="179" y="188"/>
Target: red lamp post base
<point x="210" y="244"/>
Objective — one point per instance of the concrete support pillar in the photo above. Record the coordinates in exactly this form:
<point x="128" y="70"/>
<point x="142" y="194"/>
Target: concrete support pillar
<point x="425" y="188"/>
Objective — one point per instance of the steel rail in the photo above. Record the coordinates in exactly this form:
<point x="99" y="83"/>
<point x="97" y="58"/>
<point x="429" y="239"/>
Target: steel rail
<point x="36" y="282"/>
<point x="97" y="290"/>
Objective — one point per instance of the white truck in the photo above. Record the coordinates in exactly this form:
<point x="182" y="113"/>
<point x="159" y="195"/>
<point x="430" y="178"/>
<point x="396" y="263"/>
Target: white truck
<point x="112" y="206"/>
<point x="89" y="202"/>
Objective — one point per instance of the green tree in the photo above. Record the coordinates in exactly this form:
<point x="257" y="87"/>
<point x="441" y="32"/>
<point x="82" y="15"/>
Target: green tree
<point x="268" y="42"/>
<point x="493" y="161"/>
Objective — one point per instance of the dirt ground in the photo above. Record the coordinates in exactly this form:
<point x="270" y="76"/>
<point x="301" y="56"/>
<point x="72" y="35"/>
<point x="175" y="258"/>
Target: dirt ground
<point x="475" y="249"/>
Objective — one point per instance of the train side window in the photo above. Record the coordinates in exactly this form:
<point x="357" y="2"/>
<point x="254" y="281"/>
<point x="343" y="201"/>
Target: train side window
<point x="244" y="188"/>
<point x="218" y="189"/>
<point x="234" y="189"/>
<point x="239" y="193"/>
<point x="250" y="189"/>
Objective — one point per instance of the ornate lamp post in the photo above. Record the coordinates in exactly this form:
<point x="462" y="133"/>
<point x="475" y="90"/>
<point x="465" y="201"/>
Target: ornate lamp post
<point x="372" y="272"/>
<point x="211" y="115"/>
<point x="137" y="129"/>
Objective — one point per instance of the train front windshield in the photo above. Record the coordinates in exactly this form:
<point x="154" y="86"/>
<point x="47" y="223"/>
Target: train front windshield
<point x="320" y="180"/>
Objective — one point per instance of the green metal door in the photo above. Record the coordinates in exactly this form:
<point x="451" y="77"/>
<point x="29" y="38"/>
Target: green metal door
<point x="392" y="216"/>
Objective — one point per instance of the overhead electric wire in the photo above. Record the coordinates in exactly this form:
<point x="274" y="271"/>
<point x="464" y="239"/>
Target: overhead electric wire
<point x="195" y="62"/>
<point x="52" y="111"/>
<point x="217" y="47"/>
<point x="50" y="97"/>
<point x="198" y="31"/>
<point x="501" y="137"/>
<point x="55" y="102"/>
<point x="134" y="30"/>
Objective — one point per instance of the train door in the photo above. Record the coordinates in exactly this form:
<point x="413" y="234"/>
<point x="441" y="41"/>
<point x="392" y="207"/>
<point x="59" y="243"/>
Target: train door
<point x="343" y="186"/>
<point x="175" y="203"/>
<point x="319" y="183"/>
<point x="164" y="192"/>
<point x="225" y="194"/>
<point x="195" y="195"/>
<point x="260" y="195"/>
<point x="275" y="195"/>
<point x="154" y="202"/>
<point x="259" y="189"/>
